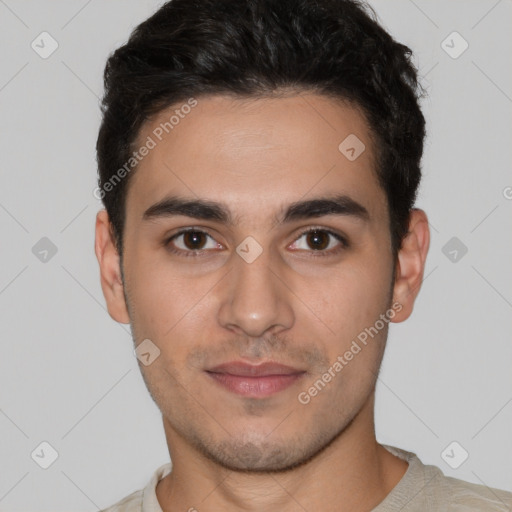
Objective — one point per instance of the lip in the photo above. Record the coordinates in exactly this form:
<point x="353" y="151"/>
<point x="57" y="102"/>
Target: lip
<point x="254" y="381"/>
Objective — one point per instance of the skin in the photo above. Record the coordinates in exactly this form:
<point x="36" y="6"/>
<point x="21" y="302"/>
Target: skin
<point x="257" y="156"/>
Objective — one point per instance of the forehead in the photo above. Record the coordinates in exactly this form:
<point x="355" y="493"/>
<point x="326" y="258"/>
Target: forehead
<point x="255" y="154"/>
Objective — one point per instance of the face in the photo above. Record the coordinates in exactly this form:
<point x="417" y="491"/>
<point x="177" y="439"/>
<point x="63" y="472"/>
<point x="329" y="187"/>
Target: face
<point x="256" y="258"/>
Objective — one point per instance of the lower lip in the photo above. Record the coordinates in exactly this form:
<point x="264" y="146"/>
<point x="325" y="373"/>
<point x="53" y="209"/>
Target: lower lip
<point x="255" y="387"/>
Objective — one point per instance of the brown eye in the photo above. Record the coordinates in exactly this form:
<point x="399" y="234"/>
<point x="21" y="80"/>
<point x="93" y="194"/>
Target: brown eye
<point x="194" y="240"/>
<point x="318" y="240"/>
<point x="191" y="242"/>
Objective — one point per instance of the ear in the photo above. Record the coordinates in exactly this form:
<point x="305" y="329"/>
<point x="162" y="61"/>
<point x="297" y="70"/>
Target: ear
<point x="110" y="269"/>
<point x="410" y="264"/>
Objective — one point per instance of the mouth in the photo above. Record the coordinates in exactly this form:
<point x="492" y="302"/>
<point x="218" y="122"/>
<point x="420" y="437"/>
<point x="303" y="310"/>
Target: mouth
<point x="254" y="381"/>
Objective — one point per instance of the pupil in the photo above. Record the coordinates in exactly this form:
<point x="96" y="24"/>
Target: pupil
<point x="315" y="238"/>
<point x="192" y="238"/>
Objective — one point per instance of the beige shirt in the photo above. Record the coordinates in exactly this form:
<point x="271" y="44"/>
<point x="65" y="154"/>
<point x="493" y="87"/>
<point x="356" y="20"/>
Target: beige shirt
<point x="423" y="488"/>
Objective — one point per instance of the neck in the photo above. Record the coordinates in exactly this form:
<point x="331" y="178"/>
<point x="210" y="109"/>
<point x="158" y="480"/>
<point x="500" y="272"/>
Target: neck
<point x="353" y="473"/>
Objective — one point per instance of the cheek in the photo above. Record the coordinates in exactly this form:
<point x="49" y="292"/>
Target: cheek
<point x="159" y="297"/>
<point x="171" y="310"/>
<point x="349" y="298"/>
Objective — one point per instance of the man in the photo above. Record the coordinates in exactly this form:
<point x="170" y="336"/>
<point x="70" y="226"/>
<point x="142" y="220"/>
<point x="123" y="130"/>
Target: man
<point x="259" y="162"/>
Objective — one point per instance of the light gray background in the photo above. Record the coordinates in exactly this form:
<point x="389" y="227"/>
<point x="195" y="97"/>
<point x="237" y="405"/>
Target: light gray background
<point x="68" y="375"/>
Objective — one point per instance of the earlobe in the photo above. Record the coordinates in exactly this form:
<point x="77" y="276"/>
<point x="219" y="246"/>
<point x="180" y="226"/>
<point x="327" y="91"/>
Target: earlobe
<point x="110" y="270"/>
<point x="410" y="264"/>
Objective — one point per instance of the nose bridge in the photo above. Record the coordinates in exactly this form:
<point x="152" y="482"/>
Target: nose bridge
<point x="255" y="299"/>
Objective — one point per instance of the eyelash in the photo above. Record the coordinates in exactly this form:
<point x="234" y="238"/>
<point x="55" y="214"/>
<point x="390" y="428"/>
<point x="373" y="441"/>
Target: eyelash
<point x="318" y="253"/>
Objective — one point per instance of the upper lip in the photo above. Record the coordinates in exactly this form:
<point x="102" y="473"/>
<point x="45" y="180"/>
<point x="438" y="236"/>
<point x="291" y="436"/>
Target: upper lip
<point x="240" y="368"/>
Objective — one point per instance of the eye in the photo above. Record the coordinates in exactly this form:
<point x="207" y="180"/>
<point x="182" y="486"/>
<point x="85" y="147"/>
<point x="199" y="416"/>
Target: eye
<point x="190" y="242"/>
<point x="321" y="241"/>
<point x="195" y="242"/>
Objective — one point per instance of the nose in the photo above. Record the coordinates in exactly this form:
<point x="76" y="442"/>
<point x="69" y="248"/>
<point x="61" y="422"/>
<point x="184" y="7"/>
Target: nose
<point x="255" y="298"/>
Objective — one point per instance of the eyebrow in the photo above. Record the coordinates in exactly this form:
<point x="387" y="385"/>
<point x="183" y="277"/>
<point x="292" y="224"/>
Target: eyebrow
<point x="202" y="209"/>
